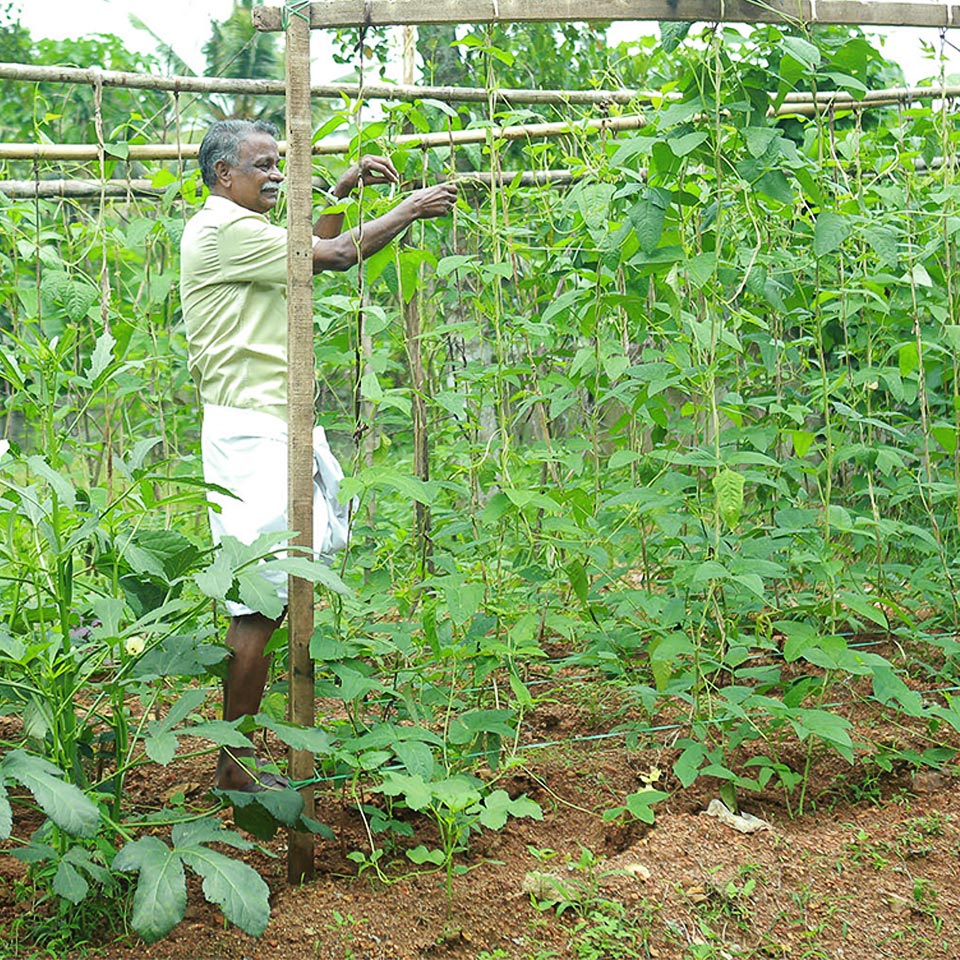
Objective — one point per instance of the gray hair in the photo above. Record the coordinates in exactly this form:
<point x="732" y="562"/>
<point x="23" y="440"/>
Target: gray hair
<point x="222" y="142"/>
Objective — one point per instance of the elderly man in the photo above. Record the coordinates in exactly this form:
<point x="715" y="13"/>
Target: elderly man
<point x="233" y="275"/>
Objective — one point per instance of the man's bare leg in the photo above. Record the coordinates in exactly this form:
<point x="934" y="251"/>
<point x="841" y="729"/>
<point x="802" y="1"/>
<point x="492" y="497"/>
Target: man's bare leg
<point x="247" y="637"/>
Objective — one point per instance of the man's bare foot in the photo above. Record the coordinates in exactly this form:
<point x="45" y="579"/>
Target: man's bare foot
<point x="241" y="770"/>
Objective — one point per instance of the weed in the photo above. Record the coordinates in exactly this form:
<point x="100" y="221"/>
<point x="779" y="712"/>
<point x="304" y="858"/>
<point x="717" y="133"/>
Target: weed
<point x="608" y="932"/>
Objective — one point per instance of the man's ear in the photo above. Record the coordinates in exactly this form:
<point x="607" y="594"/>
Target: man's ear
<point x="222" y="169"/>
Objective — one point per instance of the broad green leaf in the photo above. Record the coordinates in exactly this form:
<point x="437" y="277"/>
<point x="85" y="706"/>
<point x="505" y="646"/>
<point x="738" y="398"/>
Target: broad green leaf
<point x="6" y="815"/>
<point x="709" y="570"/>
<point x="161" y="895"/>
<point x="640" y="804"/>
<point x="888" y="686"/>
<point x="314" y="740"/>
<point x="417" y="758"/>
<point x="217" y="579"/>
<point x="353" y="683"/>
<point x="64" y="489"/>
<point x="220" y="732"/>
<point x="497" y="807"/>
<point x="259" y="593"/>
<point x="800" y="637"/>
<point x="370" y="388"/>
<point x="69" y="884"/>
<point x="681" y="146"/>
<point x="802" y="51"/>
<point x="828" y="727"/>
<point x="687" y="765"/>
<point x="648" y="216"/>
<point x="802" y="441"/>
<point x="463" y="600"/>
<point x="758" y="139"/>
<point x="414" y="789"/>
<point x="234" y="886"/>
<point x="577" y="576"/>
<point x="162" y="747"/>
<point x="673" y="33"/>
<point x="66" y="805"/>
<point x="728" y="496"/>
<point x="421" y="855"/>
<point x="830" y="231"/>
<point x="102" y="354"/>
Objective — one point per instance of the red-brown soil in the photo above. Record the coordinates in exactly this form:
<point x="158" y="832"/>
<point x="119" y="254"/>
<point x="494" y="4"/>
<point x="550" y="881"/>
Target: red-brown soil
<point x="871" y="870"/>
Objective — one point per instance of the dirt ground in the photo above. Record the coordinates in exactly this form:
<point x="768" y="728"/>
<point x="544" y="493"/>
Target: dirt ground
<point x="872" y="870"/>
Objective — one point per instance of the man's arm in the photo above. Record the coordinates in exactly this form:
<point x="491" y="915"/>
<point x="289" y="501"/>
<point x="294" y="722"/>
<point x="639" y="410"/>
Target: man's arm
<point x="340" y="251"/>
<point x="344" y="250"/>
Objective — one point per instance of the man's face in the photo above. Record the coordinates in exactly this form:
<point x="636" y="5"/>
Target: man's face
<point x="255" y="181"/>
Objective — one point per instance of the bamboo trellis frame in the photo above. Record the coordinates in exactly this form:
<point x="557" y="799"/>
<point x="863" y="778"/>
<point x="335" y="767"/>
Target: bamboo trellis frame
<point x="378" y="13"/>
<point x="827" y="102"/>
<point x="300" y="18"/>
<point x="30" y="73"/>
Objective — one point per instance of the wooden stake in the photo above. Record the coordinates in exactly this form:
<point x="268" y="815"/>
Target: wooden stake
<point x="300" y="412"/>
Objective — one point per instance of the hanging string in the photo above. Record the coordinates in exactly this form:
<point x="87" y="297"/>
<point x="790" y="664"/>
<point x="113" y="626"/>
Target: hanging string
<point x="102" y="163"/>
<point x="36" y="224"/>
<point x="359" y="427"/>
<point x="104" y="269"/>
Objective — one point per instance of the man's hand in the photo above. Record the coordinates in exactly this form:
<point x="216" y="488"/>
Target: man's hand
<point x="436" y="201"/>
<point x="371" y="169"/>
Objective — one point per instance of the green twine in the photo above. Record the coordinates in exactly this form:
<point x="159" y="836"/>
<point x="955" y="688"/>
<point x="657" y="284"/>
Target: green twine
<point x="294" y="8"/>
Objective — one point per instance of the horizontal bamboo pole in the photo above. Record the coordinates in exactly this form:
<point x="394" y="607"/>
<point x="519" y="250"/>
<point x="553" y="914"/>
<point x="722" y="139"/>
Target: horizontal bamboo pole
<point x="140" y="151"/>
<point x="386" y="91"/>
<point x="78" y="189"/>
<point x="835" y="101"/>
<point x="144" y="189"/>
<point x="359" y="13"/>
<point x="139" y="188"/>
<point x="34" y="73"/>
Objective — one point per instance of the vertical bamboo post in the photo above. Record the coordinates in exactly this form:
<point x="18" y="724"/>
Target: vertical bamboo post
<point x="300" y="866"/>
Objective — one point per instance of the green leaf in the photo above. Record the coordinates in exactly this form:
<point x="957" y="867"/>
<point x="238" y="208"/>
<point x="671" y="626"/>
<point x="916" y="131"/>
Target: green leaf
<point x="683" y="145"/>
<point x="69" y="884"/>
<point x="6" y="815"/>
<point x="259" y="593"/>
<point x="262" y="814"/>
<point x="66" y="805"/>
<point x="687" y="765"/>
<point x="728" y="496"/>
<point x="803" y="51"/>
<point x="102" y="354"/>
<point x="414" y="789"/>
<point x="497" y="807"/>
<point x="463" y="600"/>
<point x="417" y="758"/>
<point x="673" y="33"/>
<point x="831" y="728"/>
<point x="758" y="139"/>
<point x="220" y="732"/>
<point x="577" y="576"/>
<point x="234" y="886"/>
<point x="161" y="895"/>
<point x="421" y="855"/>
<point x="640" y="804"/>
<point x="648" y="216"/>
<point x="313" y="740"/>
<point x="830" y="231"/>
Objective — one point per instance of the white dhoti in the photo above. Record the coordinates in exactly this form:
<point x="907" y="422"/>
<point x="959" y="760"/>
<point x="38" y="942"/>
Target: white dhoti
<point x="245" y="451"/>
